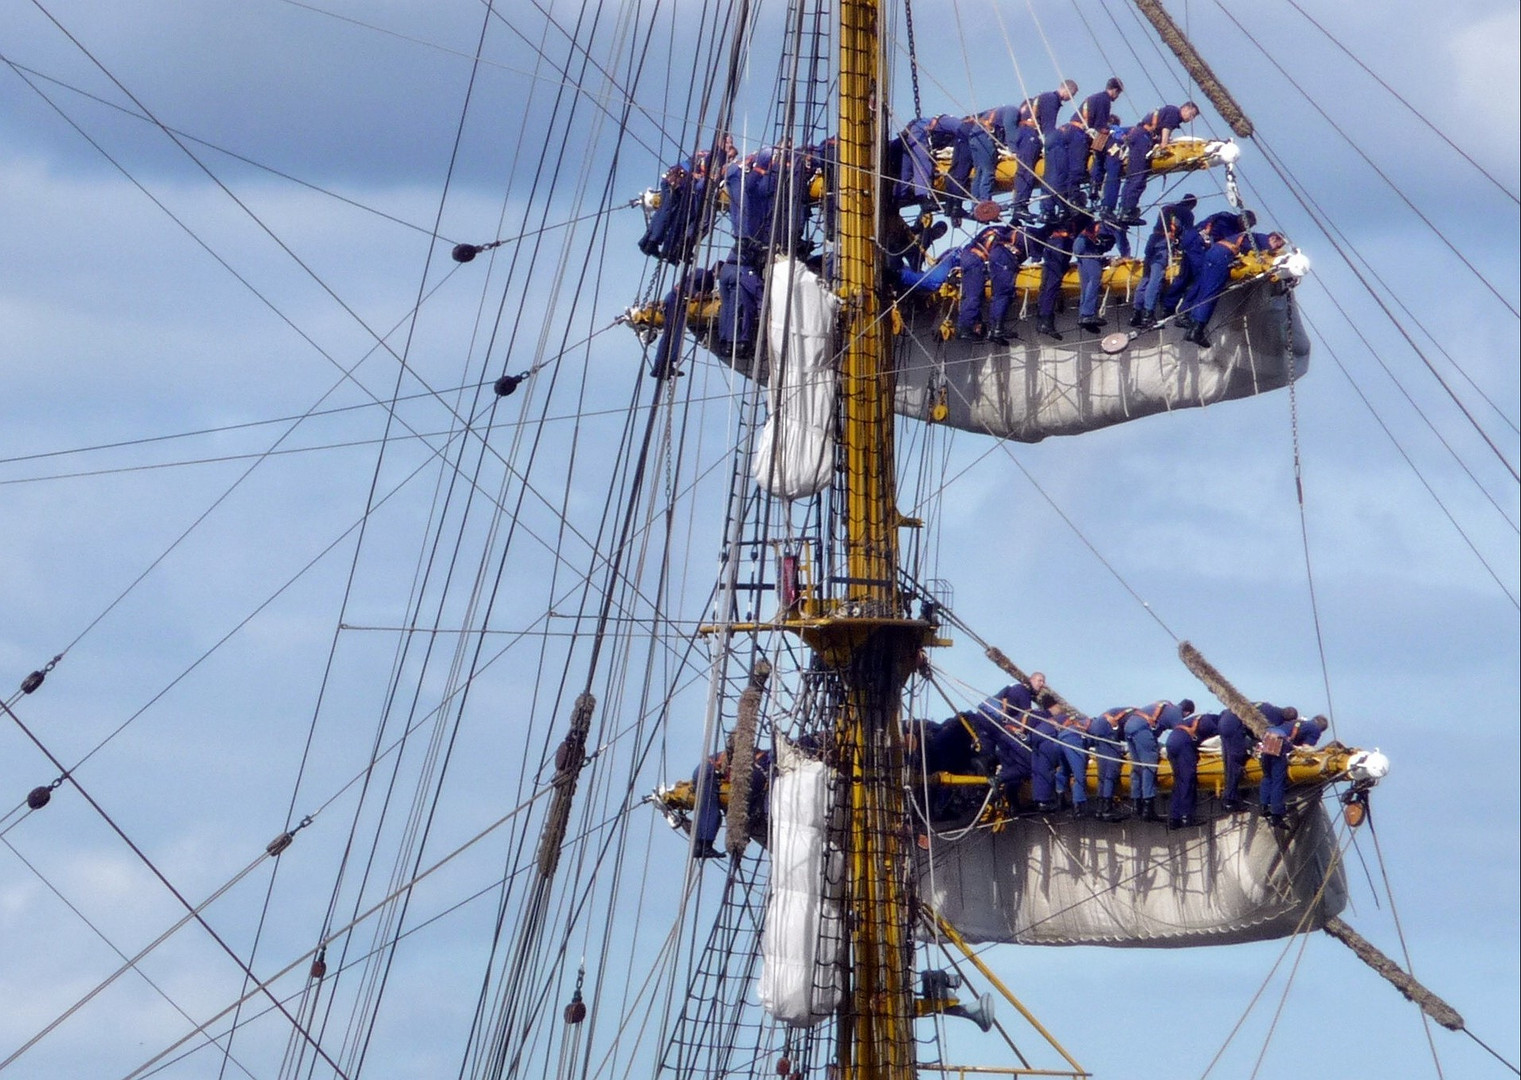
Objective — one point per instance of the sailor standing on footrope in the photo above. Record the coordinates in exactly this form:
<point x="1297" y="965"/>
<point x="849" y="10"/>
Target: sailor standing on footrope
<point x="1143" y="727"/>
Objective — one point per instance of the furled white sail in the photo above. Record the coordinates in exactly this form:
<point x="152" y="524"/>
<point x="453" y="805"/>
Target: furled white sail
<point x="800" y="973"/>
<point x="1039" y="387"/>
<point x="1089" y="882"/>
<point x="794" y="456"/>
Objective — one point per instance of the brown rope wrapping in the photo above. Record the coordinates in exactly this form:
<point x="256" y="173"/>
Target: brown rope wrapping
<point x="1255" y="722"/>
<point x="570" y="758"/>
<point x="742" y="760"/>
<point x="1197" y="69"/>
<point x="1404" y="982"/>
<point x="1045" y="698"/>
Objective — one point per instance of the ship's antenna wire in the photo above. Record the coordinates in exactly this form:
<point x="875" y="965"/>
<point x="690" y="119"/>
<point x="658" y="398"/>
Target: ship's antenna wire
<point x="1438" y="132"/>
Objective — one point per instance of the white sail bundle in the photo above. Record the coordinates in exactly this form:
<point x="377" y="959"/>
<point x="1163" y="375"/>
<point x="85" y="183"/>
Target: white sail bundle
<point x="794" y="456"/>
<point x="1088" y="882"/>
<point x="800" y="980"/>
<point x="1039" y="387"/>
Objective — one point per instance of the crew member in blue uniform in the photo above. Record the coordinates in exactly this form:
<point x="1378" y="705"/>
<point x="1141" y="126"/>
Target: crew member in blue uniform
<point x="1046" y="108"/>
<point x="676" y="225"/>
<point x="1165" y="241"/>
<point x="1013" y="127"/>
<point x="983" y="151"/>
<point x="1046" y="754"/>
<point x="1054" y="245"/>
<point x="739" y="299"/>
<point x="1152" y="132"/>
<point x="1106" y="741"/>
<point x="1072" y="770"/>
<point x="1143" y="727"/>
<point x="697" y="282"/>
<point x="1216" y="275"/>
<point x="1183" y="755"/>
<point x="1096" y="113"/>
<point x="1013" y="712"/>
<point x="990" y="258"/>
<point x="751" y="184"/>
<point x="706" y="808"/>
<point x="1192" y="245"/>
<point x="1275" y="762"/>
<point x="1235" y="747"/>
<point x="1091" y="250"/>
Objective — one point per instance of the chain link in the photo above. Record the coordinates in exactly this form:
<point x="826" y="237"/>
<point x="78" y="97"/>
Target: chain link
<point x="913" y="56"/>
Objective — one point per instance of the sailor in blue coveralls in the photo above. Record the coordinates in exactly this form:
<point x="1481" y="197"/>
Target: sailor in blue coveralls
<point x="1091" y="249"/>
<point x="1154" y="130"/>
<point x="1046" y="109"/>
<point x="1096" y="115"/>
<point x="993" y="256"/>
<point x="1165" y="239"/>
<point x="706" y="807"/>
<point x="1235" y="743"/>
<point x="1194" y="245"/>
<point x="1011" y="712"/>
<point x="983" y="151"/>
<point x="1054" y="246"/>
<point x="1106" y="742"/>
<point x="1072" y="769"/>
<point x="1275" y="765"/>
<point x="1216" y="275"/>
<point x="1183" y="755"/>
<point x="1143" y="728"/>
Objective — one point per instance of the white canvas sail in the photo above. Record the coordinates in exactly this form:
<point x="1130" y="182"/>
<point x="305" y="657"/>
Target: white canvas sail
<point x="1089" y="882"/>
<point x="794" y="456"/>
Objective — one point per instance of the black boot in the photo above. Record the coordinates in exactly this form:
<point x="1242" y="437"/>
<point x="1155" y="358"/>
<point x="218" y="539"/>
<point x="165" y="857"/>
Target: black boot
<point x="1198" y="337"/>
<point x="1047" y="325"/>
<point x="1138" y="318"/>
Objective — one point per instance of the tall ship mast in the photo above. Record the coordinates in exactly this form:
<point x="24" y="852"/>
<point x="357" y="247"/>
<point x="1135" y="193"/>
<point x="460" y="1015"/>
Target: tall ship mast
<point x="651" y="679"/>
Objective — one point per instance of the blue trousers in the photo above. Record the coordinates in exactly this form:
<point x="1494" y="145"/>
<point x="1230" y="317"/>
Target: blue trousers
<point x="1112" y="168"/>
<point x="1213" y="279"/>
<point x="1026" y="147"/>
<point x="1137" y="170"/>
<point x="739" y="297"/>
<point x="1054" y="262"/>
<point x="984" y="157"/>
<point x="1047" y="753"/>
<point x="1183" y="755"/>
<point x="1108" y="753"/>
<point x="1275" y="782"/>
<point x="1090" y="275"/>
<point x="1149" y="293"/>
<point x="1058" y="169"/>
<point x="1072" y="772"/>
<point x="1233" y="748"/>
<point x="1145" y="754"/>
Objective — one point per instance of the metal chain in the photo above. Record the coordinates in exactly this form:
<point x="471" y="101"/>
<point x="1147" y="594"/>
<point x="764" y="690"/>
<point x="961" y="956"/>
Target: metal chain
<point x="913" y="56"/>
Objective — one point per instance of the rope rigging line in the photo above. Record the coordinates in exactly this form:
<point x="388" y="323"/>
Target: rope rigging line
<point x="131" y="962"/>
<point x="1323" y="223"/>
<point x="193" y="912"/>
<point x="1304" y="541"/>
<point x="1414" y="404"/>
<point x="1438" y="132"/>
<point x="1430" y="489"/>
<point x="1382" y="175"/>
<point x="17" y="66"/>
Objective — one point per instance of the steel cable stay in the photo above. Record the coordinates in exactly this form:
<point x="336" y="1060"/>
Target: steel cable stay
<point x="1430" y="488"/>
<point x="19" y="67"/>
<point x="1326" y="226"/>
<point x="1414" y="404"/>
<point x="194" y="912"/>
<point x="458" y="905"/>
<point x="1453" y="248"/>
<point x="101" y="934"/>
<point x="1438" y="132"/>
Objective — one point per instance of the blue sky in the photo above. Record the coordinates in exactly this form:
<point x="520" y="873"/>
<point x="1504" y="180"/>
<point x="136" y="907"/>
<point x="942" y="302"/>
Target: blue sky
<point x="117" y="325"/>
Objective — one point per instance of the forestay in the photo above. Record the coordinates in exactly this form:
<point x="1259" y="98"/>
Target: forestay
<point x="1038" y="388"/>
<point x="1088" y="882"/>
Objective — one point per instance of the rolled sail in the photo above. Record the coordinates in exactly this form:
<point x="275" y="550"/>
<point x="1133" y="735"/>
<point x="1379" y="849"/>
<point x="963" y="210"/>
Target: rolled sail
<point x="1137" y="884"/>
<point x="1038" y="387"/>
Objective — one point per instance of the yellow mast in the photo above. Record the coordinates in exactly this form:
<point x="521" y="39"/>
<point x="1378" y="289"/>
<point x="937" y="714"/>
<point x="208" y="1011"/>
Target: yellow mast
<point x="867" y="638"/>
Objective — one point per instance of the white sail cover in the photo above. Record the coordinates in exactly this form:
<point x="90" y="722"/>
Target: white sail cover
<point x="800" y="944"/>
<point x="1039" y="387"/>
<point x="794" y="456"/>
<point x="1088" y="882"/>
